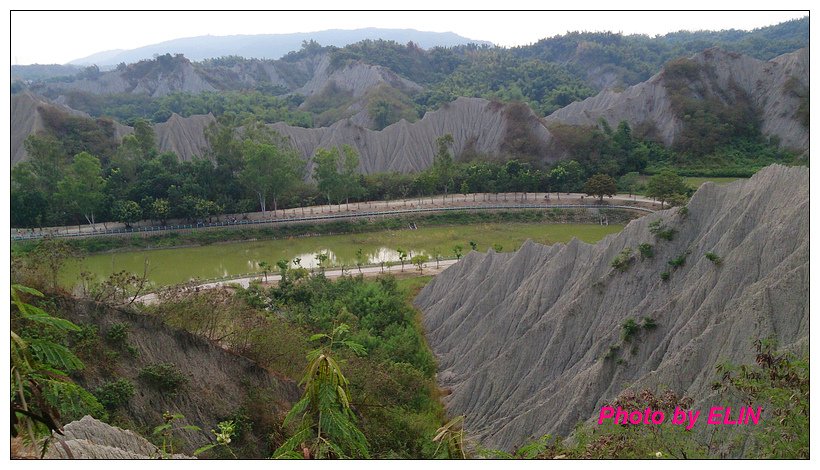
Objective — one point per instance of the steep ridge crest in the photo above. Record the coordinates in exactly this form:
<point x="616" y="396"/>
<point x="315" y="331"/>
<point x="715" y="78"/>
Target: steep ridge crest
<point x="521" y="338"/>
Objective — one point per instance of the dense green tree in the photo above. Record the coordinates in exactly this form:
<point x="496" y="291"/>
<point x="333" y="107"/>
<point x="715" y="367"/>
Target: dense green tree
<point x="383" y="112"/>
<point x="387" y="186"/>
<point x="82" y="187"/>
<point x="350" y="173"/>
<point x="600" y="185"/>
<point x="46" y="160"/>
<point x="29" y="208"/>
<point x="160" y="210"/>
<point x="327" y="176"/>
<point x="665" y="186"/>
<point x="224" y="148"/>
<point x="629" y="182"/>
<point x="146" y="138"/>
<point x="271" y="168"/>
<point x="567" y="176"/>
<point x="336" y="172"/>
<point x="127" y="160"/>
<point x="127" y="212"/>
<point x="419" y="260"/>
<point x="443" y="169"/>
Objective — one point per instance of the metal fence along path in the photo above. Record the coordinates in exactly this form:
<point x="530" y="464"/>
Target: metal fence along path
<point x="352" y="214"/>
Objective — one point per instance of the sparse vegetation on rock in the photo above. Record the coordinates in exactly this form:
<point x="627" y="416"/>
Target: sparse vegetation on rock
<point x="165" y="377"/>
<point x="711" y="256"/>
<point x="115" y="394"/>
<point x="660" y="230"/>
<point x="647" y="250"/>
<point x="624" y="259"/>
<point x="678" y="261"/>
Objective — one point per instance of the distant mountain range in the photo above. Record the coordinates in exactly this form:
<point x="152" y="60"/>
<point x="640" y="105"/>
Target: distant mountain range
<point x="269" y="46"/>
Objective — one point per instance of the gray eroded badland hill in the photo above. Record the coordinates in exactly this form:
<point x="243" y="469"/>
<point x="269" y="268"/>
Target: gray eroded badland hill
<point x="183" y="136"/>
<point x="775" y="91"/>
<point x="481" y="126"/>
<point x="477" y="125"/>
<point x="521" y="338"/>
<point x="773" y="87"/>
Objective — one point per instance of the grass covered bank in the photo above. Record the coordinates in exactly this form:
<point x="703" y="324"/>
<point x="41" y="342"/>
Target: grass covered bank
<point x="216" y="235"/>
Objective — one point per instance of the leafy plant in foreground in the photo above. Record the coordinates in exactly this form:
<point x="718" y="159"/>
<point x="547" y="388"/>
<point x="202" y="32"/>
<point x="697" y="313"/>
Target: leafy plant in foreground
<point x="227" y="430"/>
<point x="166" y="431"/>
<point x="327" y="424"/>
<point x="779" y="381"/>
<point x="38" y="370"/>
<point x="451" y="437"/>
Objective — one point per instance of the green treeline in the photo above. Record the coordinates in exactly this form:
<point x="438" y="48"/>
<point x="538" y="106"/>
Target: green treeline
<point x="76" y="173"/>
<point x="229" y="106"/>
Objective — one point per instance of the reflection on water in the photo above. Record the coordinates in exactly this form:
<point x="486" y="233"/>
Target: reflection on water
<point x="334" y="259"/>
<point x="212" y="262"/>
<point x="171" y="266"/>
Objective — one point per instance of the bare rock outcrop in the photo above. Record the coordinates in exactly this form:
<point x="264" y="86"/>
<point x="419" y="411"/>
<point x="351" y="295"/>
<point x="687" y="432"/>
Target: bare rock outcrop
<point x="356" y="78"/>
<point x="184" y="136"/>
<point x="89" y="438"/>
<point x="523" y="339"/>
<point x="769" y="84"/>
<point x="157" y="78"/>
<point x="26" y="119"/>
<point x="350" y="87"/>
<point x="181" y="135"/>
<point x="166" y="74"/>
<point x="477" y="125"/>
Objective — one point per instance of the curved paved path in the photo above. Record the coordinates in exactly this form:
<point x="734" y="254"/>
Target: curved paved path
<point x="368" y="271"/>
<point x="356" y="210"/>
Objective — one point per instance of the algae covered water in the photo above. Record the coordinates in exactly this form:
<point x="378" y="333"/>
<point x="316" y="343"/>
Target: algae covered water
<point x="175" y="265"/>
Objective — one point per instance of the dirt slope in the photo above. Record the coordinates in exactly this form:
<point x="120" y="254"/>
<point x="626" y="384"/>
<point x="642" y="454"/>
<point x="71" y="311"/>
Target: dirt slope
<point x="184" y="136"/>
<point x="218" y="384"/>
<point x="521" y="337"/>
<point x="477" y="125"/>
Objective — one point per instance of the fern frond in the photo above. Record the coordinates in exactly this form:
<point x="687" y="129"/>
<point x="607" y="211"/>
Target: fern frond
<point x="287" y="449"/>
<point x="55" y="355"/>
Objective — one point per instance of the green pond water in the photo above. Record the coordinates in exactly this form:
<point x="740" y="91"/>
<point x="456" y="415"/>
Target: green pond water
<point x="175" y="265"/>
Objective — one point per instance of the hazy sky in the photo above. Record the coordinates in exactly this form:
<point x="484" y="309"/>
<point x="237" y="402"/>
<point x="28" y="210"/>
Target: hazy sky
<point x="59" y="37"/>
